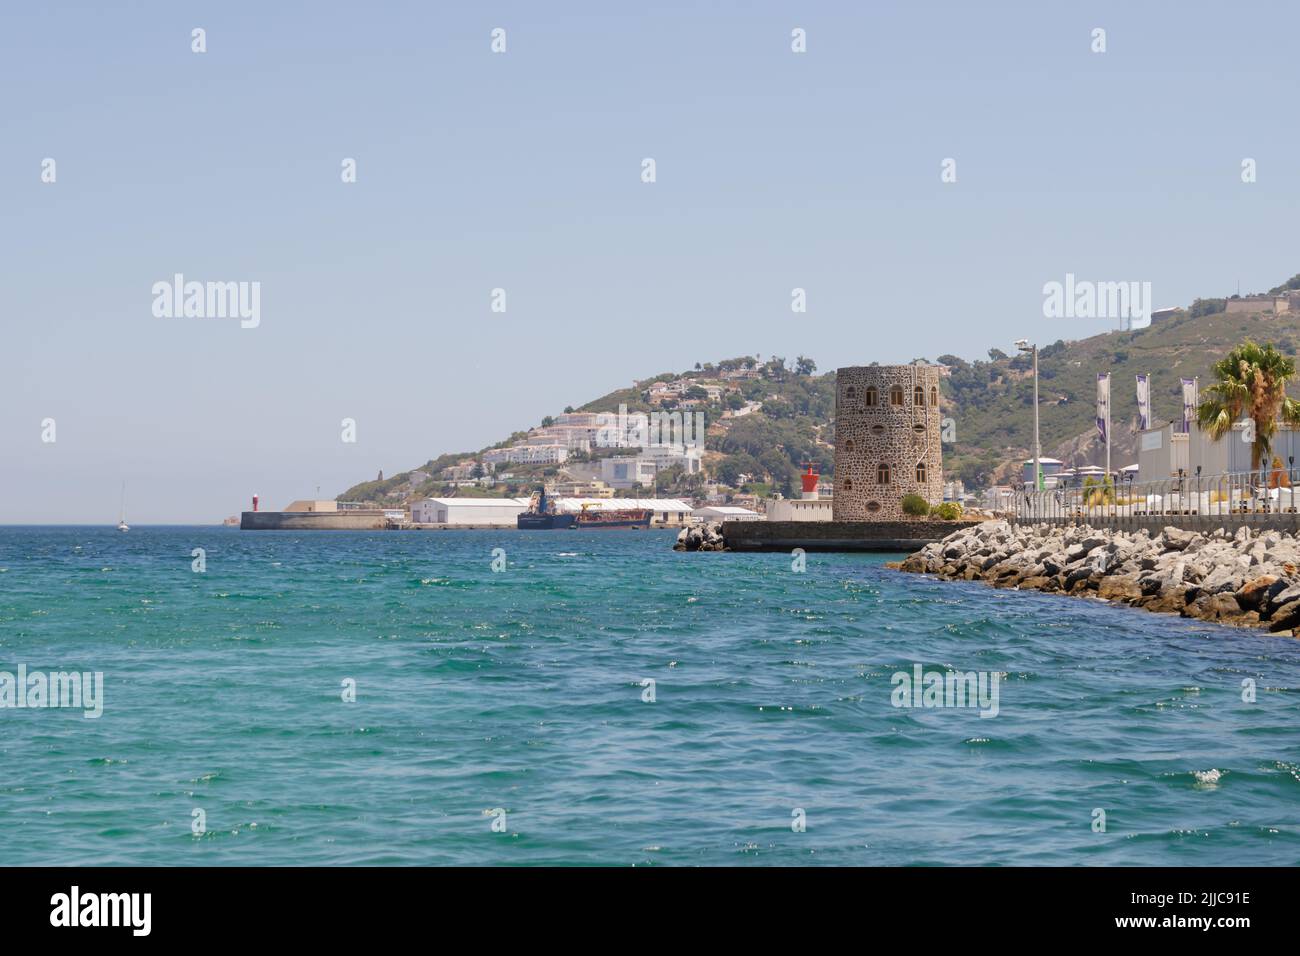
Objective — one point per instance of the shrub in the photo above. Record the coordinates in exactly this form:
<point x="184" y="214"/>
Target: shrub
<point x="916" y="506"/>
<point x="948" y="511"/>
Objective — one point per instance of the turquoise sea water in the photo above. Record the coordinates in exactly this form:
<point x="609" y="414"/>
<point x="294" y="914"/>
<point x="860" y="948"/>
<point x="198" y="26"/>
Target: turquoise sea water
<point x="522" y="691"/>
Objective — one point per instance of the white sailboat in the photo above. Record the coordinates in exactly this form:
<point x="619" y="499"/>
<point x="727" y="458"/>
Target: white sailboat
<point x="121" y="521"/>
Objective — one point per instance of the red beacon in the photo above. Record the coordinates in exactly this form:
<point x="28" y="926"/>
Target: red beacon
<point x="810" y="479"/>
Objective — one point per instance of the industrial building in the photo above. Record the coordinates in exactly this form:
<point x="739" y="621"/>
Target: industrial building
<point x="726" y="513"/>
<point x="468" y="511"/>
<point x="1166" y="450"/>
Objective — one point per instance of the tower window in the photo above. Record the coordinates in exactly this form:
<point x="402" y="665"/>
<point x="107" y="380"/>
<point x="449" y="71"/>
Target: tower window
<point x="849" y="446"/>
<point x="896" y="395"/>
<point x="920" y="472"/>
<point x="918" y="396"/>
<point x="869" y="396"/>
<point x="848" y="484"/>
<point x="850" y="393"/>
<point x="882" y="474"/>
<point x="934" y="396"/>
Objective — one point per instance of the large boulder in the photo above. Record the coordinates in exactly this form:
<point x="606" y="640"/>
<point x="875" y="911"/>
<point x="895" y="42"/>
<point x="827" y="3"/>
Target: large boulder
<point x="1253" y="595"/>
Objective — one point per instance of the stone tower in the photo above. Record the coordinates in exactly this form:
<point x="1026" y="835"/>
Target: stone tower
<point x="887" y="440"/>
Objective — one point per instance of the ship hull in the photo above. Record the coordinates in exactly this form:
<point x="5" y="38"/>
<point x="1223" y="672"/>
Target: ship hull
<point x="596" y="520"/>
<point x="532" y="521"/>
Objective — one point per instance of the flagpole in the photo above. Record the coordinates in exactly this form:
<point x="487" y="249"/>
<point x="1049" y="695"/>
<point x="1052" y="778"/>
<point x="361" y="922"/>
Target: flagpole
<point x="1108" y="422"/>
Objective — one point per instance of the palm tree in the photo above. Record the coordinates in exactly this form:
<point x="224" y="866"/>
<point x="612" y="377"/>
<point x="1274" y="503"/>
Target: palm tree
<point x="1250" y="382"/>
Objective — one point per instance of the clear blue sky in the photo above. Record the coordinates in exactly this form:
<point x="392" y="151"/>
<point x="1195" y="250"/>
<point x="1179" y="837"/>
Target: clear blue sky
<point x="522" y="171"/>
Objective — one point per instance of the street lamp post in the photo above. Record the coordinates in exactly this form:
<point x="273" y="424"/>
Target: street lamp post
<point x="1024" y="346"/>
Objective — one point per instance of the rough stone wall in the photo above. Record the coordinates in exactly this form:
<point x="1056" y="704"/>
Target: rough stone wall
<point x="897" y="435"/>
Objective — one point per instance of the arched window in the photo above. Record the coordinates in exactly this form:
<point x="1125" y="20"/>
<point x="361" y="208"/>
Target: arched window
<point x="882" y="474"/>
<point x="934" y="396"/>
<point x="920" y="472"/>
<point x="869" y="396"/>
<point x="918" y="397"/>
<point x="848" y="484"/>
<point x="850" y="393"/>
<point x="849" y="446"/>
<point x="895" y="395"/>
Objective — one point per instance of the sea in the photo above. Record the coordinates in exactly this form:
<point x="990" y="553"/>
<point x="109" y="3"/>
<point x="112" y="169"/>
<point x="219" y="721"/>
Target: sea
<point x="595" y="698"/>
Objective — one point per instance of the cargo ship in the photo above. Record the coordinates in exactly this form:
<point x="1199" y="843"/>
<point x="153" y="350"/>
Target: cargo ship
<point x="542" y="516"/>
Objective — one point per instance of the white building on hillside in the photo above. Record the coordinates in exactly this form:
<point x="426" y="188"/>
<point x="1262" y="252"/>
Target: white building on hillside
<point x="626" y="472"/>
<point x="549" y="454"/>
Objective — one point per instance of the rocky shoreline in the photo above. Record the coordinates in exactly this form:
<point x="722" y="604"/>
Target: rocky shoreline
<point x="1247" y="578"/>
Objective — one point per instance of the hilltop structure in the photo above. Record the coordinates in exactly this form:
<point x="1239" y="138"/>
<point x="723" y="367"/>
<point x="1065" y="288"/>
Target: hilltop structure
<point x="887" y="440"/>
<point x="1276" y="304"/>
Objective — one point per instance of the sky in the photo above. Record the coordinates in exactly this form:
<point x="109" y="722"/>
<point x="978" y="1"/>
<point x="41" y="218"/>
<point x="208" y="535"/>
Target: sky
<point x="523" y="171"/>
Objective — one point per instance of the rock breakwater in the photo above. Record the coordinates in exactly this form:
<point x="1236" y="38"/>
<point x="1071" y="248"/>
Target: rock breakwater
<point x="701" y="537"/>
<point x="1244" y="577"/>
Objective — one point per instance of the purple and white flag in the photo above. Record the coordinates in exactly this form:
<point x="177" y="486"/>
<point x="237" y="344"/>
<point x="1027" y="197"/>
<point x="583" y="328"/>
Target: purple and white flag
<point x="1191" y="398"/>
<point x="1103" y="406"/>
<point x="1144" y="401"/>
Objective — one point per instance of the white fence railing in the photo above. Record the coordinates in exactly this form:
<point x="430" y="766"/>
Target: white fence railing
<point x="1185" y="501"/>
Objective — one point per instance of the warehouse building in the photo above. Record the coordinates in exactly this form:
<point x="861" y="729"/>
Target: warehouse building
<point x="468" y="511"/>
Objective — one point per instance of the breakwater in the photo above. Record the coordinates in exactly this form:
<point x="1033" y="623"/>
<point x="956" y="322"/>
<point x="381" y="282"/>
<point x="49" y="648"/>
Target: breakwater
<point x="829" y="536"/>
<point x="1247" y="577"/>
<point x="312" y="521"/>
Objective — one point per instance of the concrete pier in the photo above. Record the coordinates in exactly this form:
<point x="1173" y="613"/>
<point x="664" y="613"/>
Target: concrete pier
<point x="889" y="536"/>
<point x="312" y="521"/>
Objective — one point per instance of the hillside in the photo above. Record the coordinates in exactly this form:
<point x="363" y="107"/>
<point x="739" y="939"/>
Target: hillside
<point x="989" y="401"/>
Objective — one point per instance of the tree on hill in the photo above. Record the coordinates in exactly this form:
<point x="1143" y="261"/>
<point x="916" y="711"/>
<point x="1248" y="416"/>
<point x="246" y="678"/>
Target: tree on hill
<point x="1202" y="307"/>
<point x="1250" y="381"/>
<point x="1290" y="285"/>
<point x="804" y="365"/>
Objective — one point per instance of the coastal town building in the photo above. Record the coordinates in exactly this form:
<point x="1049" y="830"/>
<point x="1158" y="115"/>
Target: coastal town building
<point x="689" y="458"/>
<point x="887" y="440"/>
<point x="543" y="454"/>
<point x="1050" y="467"/>
<point x="627" y="471"/>
<point x="575" y="488"/>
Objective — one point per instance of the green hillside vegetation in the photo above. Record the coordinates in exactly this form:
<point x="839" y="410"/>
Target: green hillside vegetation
<point x="991" y="402"/>
<point x="988" y="400"/>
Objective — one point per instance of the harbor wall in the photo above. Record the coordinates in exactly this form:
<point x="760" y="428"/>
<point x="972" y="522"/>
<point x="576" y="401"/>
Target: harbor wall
<point x="890" y="536"/>
<point x="312" y="521"/>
